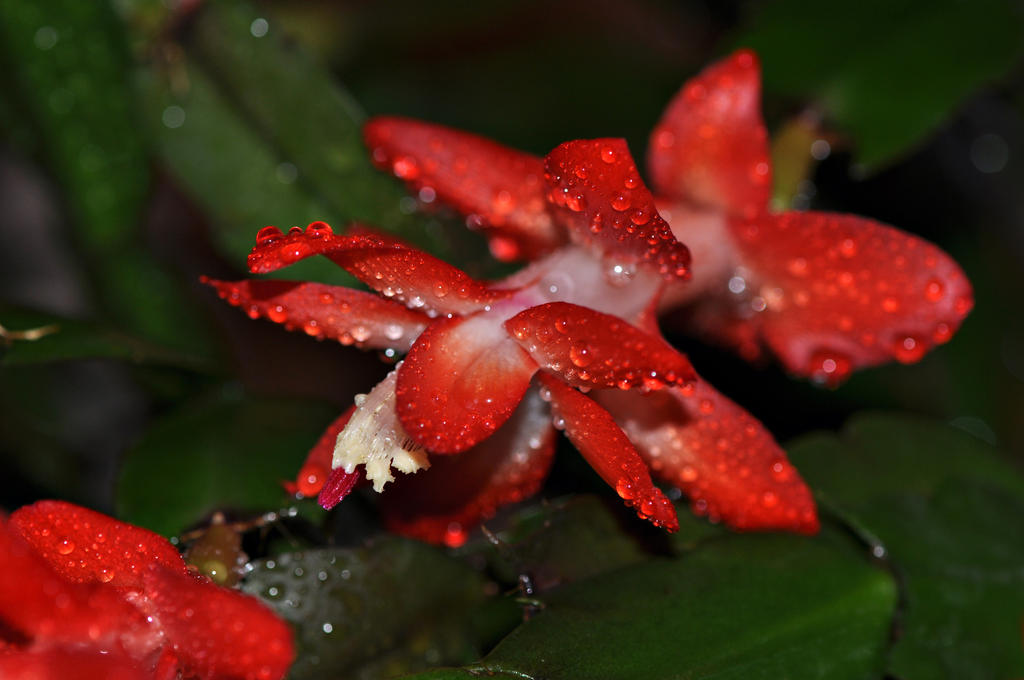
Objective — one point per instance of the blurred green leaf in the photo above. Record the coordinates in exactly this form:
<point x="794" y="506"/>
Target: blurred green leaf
<point x="224" y="451"/>
<point x="308" y="117"/>
<point x="888" y="72"/>
<point x="260" y="134"/>
<point x="66" y="69"/>
<point x="62" y="339"/>
<point x="754" y="606"/>
<point x="394" y="606"/>
<point x="229" y="169"/>
<point x="946" y="509"/>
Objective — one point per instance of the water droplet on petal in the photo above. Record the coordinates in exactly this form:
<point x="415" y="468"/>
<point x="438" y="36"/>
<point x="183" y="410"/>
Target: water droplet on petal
<point x="66" y="546"/>
<point x="933" y="290"/>
<point x="580" y="355"/>
<point x="268" y="235"/>
<point x="908" y="349"/>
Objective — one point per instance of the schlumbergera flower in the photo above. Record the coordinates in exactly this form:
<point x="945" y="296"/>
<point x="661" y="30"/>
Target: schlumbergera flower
<point x="85" y="596"/>
<point x="571" y="341"/>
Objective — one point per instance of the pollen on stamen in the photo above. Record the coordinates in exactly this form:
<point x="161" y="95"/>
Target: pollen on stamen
<point x="375" y="438"/>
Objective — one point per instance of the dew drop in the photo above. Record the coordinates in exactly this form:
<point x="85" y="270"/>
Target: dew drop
<point x="688" y="474"/>
<point x="619" y="274"/>
<point x="319" y="229"/>
<point x="66" y="546"/>
<point x="829" y="368"/>
<point x="608" y="154"/>
<point x="406" y="167"/>
<point x="908" y="349"/>
<point x="268" y="235"/>
<point x="622" y="201"/>
<point x="580" y="355"/>
<point x="933" y="290"/>
<point x="277" y="313"/>
<point x="890" y="304"/>
<point x="640" y="217"/>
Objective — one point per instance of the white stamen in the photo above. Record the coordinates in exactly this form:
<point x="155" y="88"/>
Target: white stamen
<point x="375" y="438"/>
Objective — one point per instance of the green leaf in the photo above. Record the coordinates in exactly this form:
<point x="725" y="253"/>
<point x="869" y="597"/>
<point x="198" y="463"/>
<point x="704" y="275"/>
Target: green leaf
<point x="260" y="134"/>
<point x="223" y="451"/>
<point x="310" y="118"/>
<point x="945" y="508"/>
<point x="372" y="612"/>
<point x="884" y="70"/>
<point x="66" y="65"/>
<point x="229" y="169"/>
<point x="63" y="339"/>
<point x="580" y="536"/>
<point x="754" y="606"/>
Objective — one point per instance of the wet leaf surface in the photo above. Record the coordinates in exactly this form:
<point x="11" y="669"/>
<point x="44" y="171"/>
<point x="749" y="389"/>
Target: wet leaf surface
<point x="945" y="507"/>
<point x="751" y="606"/>
<point x="390" y="607"/>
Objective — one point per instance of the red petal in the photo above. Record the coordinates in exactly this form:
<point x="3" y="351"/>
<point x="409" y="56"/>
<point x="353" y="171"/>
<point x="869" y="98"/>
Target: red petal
<point x="218" y="632"/>
<point x="41" y="604"/>
<point x="842" y="292"/>
<point x="500" y="189"/>
<point x="343" y="314"/>
<point x="710" y="146"/>
<point x="461" y="380"/>
<point x="411" y="276"/>
<point x="591" y="429"/>
<point x="595" y="186"/>
<point x="68" y="664"/>
<point x="86" y="546"/>
<point x="317" y="467"/>
<point x="443" y="504"/>
<point x="419" y="280"/>
<point x="593" y="349"/>
<point x="719" y="454"/>
<point x="275" y="250"/>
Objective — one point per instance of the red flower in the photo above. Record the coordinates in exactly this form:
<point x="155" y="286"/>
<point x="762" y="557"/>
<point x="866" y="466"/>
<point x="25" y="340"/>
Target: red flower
<point x="827" y="293"/>
<point x="85" y="596"/>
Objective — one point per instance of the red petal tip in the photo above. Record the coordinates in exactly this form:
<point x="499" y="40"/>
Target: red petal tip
<point x="595" y="186"/>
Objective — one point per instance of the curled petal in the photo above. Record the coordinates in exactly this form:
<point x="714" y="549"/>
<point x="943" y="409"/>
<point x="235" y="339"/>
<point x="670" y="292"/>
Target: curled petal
<point x="317" y="466"/>
<point x="718" y="454"/>
<point x="343" y="314"/>
<point x="218" y="632"/>
<point x="460" y="382"/>
<point x="88" y="547"/>
<point x="412" y="277"/>
<point x="275" y="250"/>
<point x="591" y="430"/>
<point x="710" y="147"/>
<point x="501" y="190"/>
<point x="840" y="292"/>
<point x="595" y="186"/>
<point x="443" y="504"/>
<point x="593" y="349"/>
